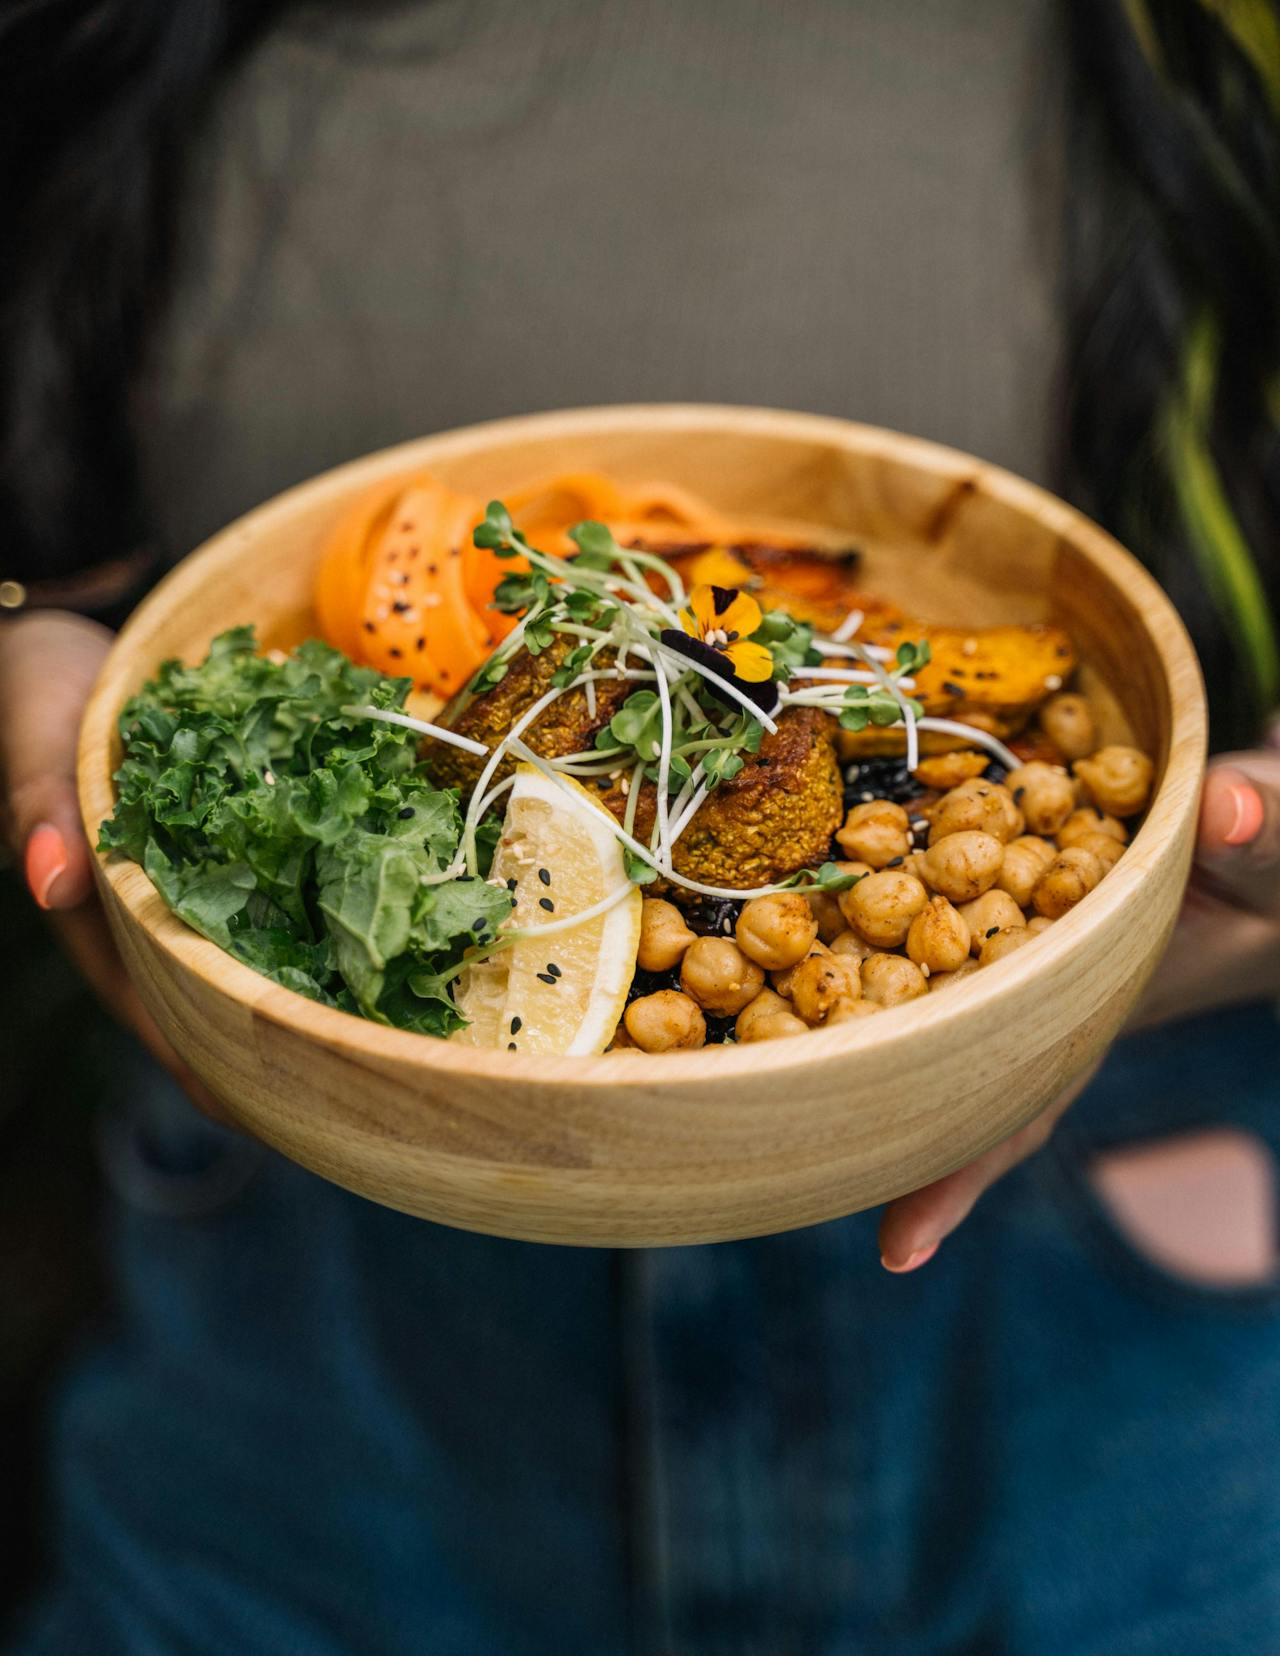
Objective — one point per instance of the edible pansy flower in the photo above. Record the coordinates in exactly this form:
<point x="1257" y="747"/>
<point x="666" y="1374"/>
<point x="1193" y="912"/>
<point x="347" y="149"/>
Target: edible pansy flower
<point x="717" y="566"/>
<point x="716" y="633"/>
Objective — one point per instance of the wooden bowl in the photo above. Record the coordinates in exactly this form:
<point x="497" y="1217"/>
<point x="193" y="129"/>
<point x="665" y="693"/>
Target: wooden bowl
<point x="731" y="1141"/>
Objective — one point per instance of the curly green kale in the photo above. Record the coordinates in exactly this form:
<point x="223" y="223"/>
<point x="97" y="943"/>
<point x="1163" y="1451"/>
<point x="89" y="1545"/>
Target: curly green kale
<point x="306" y="841"/>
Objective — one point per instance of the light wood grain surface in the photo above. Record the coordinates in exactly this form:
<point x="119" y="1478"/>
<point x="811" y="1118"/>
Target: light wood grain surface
<point x="727" y="1142"/>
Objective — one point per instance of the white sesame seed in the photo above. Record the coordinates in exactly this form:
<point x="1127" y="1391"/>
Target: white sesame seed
<point x="1053" y="682"/>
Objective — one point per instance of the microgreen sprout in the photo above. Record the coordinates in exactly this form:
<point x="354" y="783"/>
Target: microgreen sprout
<point x="713" y="674"/>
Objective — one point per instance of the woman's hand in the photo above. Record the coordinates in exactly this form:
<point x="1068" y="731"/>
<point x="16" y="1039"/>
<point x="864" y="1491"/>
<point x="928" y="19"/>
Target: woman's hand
<point x="48" y="664"/>
<point x="1225" y="950"/>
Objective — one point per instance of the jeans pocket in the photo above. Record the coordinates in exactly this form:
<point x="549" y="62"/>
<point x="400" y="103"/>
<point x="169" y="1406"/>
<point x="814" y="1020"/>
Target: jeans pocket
<point x="1186" y="1219"/>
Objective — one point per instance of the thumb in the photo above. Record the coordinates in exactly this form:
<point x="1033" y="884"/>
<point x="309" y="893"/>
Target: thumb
<point x="1238" y="846"/>
<point x="48" y="663"/>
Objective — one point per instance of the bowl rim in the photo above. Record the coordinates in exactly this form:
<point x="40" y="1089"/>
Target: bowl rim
<point x="362" y="1040"/>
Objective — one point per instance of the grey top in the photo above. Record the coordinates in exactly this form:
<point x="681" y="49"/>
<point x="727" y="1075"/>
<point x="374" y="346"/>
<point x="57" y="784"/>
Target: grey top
<point x="419" y="215"/>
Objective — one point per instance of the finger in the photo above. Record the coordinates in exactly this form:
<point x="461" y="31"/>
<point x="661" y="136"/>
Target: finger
<point x="1238" y="845"/>
<point x="48" y="663"/>
<point x="913" y="1227"/>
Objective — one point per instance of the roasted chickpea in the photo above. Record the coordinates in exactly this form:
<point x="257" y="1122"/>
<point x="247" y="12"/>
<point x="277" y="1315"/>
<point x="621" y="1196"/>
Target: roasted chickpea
<point x="1025" y="860"/>
<point x="664" y="937"/>
<point x="1071" y="875"/>
<point x="1090" y="820"/>
<point x="1044" y="793"/>
<point x="666" y="1022"/>
<point x="1067" y="721"/>
<point x="939" y="937"/>
<point x="992" y="912"/>
<point x="988" y="806"/>
<point x="962" y="866"/>
<point x="826" y="911"/>
<point x="781" y="981"/>
<point x="820" y="981"/>
<point x="1118" y="779"/>
<point x="776" y="931"/>
<point x="719" y="976"/>
<point x="1105" y="848"/>
<point x="949" y="770"/>
<point x="890" y="979"/>
<point x="940" y="980"/>
<point x="767" y="1018"/>
<point x="851" y="945"/>
<point x="847" y="1011"/>
<point x="1002" y="943"/>
<point x="882" y="906"/>
<point x="875" y="833"/>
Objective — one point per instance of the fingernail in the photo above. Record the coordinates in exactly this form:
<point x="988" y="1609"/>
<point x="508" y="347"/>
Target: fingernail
<point x="46" y="860"/>
<point x="912" y="1262"/>
<point x="1246" y="802"/>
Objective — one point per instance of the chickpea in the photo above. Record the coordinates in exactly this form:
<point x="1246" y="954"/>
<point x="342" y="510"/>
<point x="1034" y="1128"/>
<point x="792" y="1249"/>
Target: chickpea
<point x="941" y="980"/>
<point x="664" y="937"/>
<point x="1067" y="721"/>
<point x="1025" y="860"/>
<point x="1090" y="820"/>
<point x="939" y="937"/>
<point x="962" y="866"/>
<point x="976" y="804"/>
<point x="826" y="911"/>
<point x="782" y="980"/>
<point x="666" y="1022"/>
<point x="1038" y="923"/>
<point x="719" y="976"/>
<point x="819" y="982"/>
<point x="1105" y="848"/>
<point x="1071" y="875"/>
<point x="851" y="945"/>
<point x="777" y="931"/>
<point x="949" y="770"/>
<point x="875" y="833"/>
<point x="1004" y="942"/>
<point x="992" y="912"/>
<point x="882" y="906"/>
<point x="848" y="1011"/>
<point x="1118" y="779"/>
<point x="767" y="1018"/>
<point x="889" y="979"/>
<point x="1045" y="793"/>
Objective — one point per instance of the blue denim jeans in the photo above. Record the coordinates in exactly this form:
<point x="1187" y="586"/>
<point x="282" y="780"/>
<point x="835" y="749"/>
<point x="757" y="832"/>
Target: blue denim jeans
<point x="319" y="1428"/>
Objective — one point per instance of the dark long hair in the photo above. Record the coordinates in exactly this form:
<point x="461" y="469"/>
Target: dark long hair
<point x="1171" y="414"/>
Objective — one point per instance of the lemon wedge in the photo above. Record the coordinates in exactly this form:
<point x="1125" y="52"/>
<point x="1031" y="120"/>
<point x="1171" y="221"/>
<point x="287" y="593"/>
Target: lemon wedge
<point x="563" y="992"/>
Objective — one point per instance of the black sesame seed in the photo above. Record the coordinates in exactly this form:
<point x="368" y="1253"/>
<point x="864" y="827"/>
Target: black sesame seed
<point x="479" y="926"/>
<point x="393" y="652"/>
<point x="991" y="931"/>
<point x="369" y="627"/>
<point x="517" y="1024"/>
<point x="420" y="644"/>
<point x="1017" y="795"/>
<point x="544" y="977"/>
<point x="544" y="876"/>
<point x="952" y="689"/>
<point x="895" y="862"/>
<point x="511" y="1046"/>
<point x="511" y="884"/>
<point x="400" y="607"/>
<point x="554" y="969"/>
<point x="546" y="903"/>
<point x="405" y="812"/>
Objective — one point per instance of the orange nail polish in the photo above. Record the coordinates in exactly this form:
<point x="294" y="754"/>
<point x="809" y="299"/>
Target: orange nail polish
<point x="1247" y="822"/>
<point x="46" y="859"/>
<point x="913" y="1262"/>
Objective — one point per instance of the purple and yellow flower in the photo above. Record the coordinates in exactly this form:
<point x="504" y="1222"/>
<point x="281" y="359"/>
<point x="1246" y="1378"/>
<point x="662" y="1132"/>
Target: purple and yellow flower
<point x="716" y="632"/>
